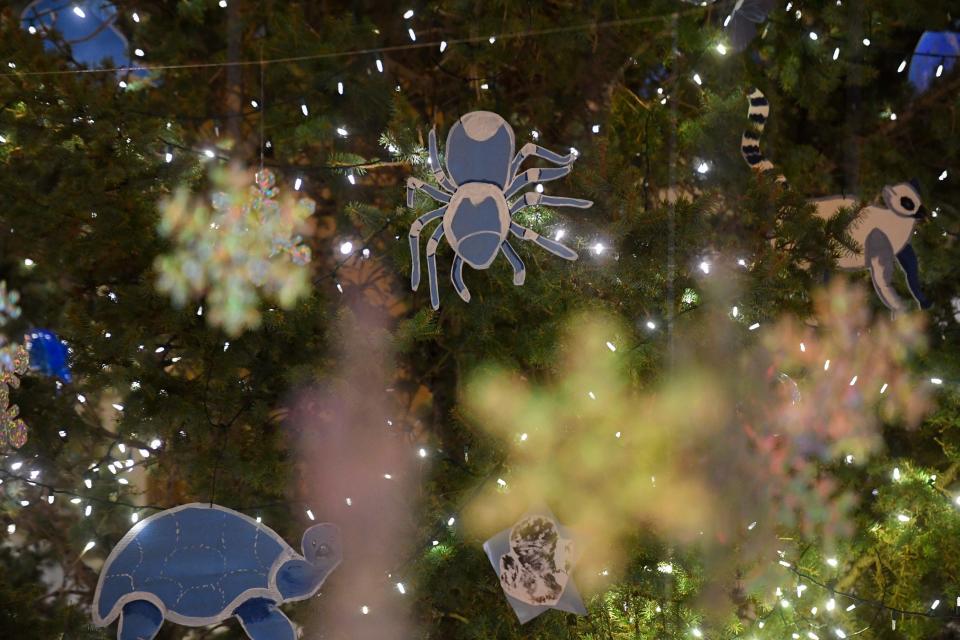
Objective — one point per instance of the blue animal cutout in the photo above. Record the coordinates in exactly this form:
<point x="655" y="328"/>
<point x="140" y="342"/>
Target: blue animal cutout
<point x="200" y="564"/>
<point x="48" y="354"/>
<point x="743" y="21"/>
<point x="534" y="559"/>
<point x="88" y="27"/>
<point x="481" y="176"/>
<point x="933" y="49"/>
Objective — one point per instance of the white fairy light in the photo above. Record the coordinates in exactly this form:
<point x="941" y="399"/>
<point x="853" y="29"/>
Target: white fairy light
<point x="134" y="517"/>
<point x="346" y="248"/>
<point x="883" y="388"/>
<point x="598" y="248"/>
<point x="135" y="16"/>
<point x="559" y="234"/>
<point x="866" y="42"/>
<point x="87" y="511"/>
<point x="118" y="407"/>
<point x="523" y="437"/>
<point x="836" y="53"/>
<point x="340" y="88"/>
<point x="591" y="395"/>
<point x="168" y="157"/>
<point x="413" y="36"/>
<point x="936" y="380"/>
<point x="492" y="39"/>
<point x="451" y="521"/>
<point x="896" y="474"/>
<point x="939" y="69"/>
<point x="936" y="603"/>
<point x="651" y="325"/>
<point x="722" y="50"/>
<point x="853" y="381"/>
<point x="88" y="546"/>
<point x="840" y="633"/>
<point x="742" y="262"/>
<point x="813" y="35"/>
<point x="16" y="466"/>
<point x="595" y="128"/>
<point x="297" y="184"/>
<point x="364" y="609"/>
<point x="349" y="502"/>
<point x="408" y="14"/>
<point x="665" y="567"/>
<point x="696" y="633"/>
<point x="304" y="110"/>
<point x="351" y="179"/>
<point x="422" y="452"/>
<point x="501" y="482"/>
<point x="703" y="168"/>
<point x="139" y="52"/>
<point x="209" y="153"/>
<point x="485" y="86"/>
<point x="79" y="12"/>
<point x="310" y="514"/>
<point x="222" y="4"/>
<point x="826" y="365"/>
<point x="831" y="604"/>
<point x="812" y="635"/>
<point x="705" y="267"/>
<point x="611" y="346"/>
<point x="387" y="476"/>
<point x="903" y="65"/>
<point x="851" y="607"/>
<point x="698" y="79"/>
<point x="538" y="188"/>
<point x="903" y="517"/>
<point x="832" y="562"/>
<point x="443" y="46"/>
<point x="342" y="131"/>
<point x="735" y="311"/>
<point x="32" y="29"/>
<point x="402" y="589"/>
<point x="379" y="65"/>
<point x="942" y="176"/>
<point x="754" y="326"/>
<point x="155" y="444"/>
<point x="75" y="500"/>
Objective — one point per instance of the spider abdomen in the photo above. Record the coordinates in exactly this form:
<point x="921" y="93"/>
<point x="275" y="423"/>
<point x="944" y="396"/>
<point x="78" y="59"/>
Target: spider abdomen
<point x="477" y="222"/>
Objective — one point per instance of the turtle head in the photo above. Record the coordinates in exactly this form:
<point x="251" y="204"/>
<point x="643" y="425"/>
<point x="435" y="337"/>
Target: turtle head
<point x="322" y="547"/>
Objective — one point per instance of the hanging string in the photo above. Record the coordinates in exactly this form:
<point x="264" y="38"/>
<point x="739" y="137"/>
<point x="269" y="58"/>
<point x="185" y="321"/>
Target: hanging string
<point x="530" y="33"/>
<point x="262" y="105"/>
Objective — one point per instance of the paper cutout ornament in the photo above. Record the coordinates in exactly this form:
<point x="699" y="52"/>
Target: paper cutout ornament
<point x="881" y="232"/>
<point x="743" y="21"/>
<point x="88" y="27"/>
<point x="934" y="48"/>
<point x="481" y="176"/>
<point x="48" y="354"/>
<point x="198" y="564"/>
<point x="534" y="559"/>
<point x="13" y="430"/>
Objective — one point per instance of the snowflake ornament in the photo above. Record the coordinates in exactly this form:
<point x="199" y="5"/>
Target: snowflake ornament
<point x="246" y="248"/>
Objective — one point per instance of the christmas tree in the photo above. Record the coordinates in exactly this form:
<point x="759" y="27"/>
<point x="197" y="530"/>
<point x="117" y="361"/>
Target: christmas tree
<point x="206" y="248"/>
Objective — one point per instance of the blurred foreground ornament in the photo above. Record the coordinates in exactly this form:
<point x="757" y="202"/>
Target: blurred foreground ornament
<point x="48" y="354"/>
<point x="247" y="246"/>
<point x="746" y="16"/>
<point x="200" y="564"/>
<point x="13" y="430"/>
<point x="935" y="54"/>
<point x="534" y="559"/>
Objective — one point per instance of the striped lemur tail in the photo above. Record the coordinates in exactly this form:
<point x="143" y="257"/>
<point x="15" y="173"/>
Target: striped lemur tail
<point x="757" y="114"/>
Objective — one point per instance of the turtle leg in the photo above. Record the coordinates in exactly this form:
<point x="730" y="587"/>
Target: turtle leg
<point x="262" y="620"/>
<point x="139" y="620"/>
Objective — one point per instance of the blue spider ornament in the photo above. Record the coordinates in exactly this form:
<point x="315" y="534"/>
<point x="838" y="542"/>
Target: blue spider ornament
<point x="48" y="354"/>
<point x="481" y="176"/>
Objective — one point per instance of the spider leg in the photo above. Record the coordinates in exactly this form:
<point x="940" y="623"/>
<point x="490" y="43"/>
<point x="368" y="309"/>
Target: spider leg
<point x="532" y="198"/>
<point x="432" y="244"/>
<point x="536" y="150"/>
<point x="519" y="270"/>
<point x="413" y="184"/>
<point x="435" y="165"/>
<point x="552" y="246"/>
<point x="533" y="176"/>
<point x="415" y="229"/>
<point x="456" y="276"/>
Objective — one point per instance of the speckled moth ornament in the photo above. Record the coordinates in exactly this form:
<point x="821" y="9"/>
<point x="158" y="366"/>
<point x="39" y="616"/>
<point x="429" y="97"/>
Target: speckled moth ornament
<point x="477" y="216"/>
<point x="199" y="564"/>
<point x="534" y="559"/>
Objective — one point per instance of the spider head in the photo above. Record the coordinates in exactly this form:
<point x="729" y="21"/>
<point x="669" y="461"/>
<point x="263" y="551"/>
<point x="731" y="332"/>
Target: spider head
<point x="480" y="148"/>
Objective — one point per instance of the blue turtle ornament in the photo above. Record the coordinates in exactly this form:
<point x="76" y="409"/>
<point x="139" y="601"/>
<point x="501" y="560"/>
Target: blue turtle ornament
<point x="88" y="27"/>
<point x="199" y="564"/>
<point x="934" y="49"/>
<point x="48" y="354"/>
<point x="482" y="175"/>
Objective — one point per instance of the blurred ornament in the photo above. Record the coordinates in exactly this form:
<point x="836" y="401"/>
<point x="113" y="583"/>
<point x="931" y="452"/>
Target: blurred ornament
<point x="534" y="559"/>
<point x="48" y="354"/>
<point x="744" y="19"/>
<point x="87" y="27"/>
<point x="249" y="244"/>
<point x="935" y="54"/>
<point x="13" y="431"/>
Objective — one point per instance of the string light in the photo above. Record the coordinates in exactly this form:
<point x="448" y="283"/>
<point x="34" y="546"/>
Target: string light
<point x="79" y="12"/>
<point x="836" y="53"/>
<point x="903" y="65"/>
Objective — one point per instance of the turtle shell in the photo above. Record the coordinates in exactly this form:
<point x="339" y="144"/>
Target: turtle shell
<point x="196" y="562"/>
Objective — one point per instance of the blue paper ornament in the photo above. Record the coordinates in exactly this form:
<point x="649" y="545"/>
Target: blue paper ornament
<point x="48" y="354"/>
<point x="934" y="48"/>
<point x="534" y="559"/>
<point x="743" y="21"/>
<point x="199" y="564"/>
<point x="88" y="27"/>
<point x="482" y="174"/>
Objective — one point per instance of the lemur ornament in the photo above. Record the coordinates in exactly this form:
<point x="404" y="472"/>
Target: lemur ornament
<point x="882" y="232"/>
<point x="481" y="176"/>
